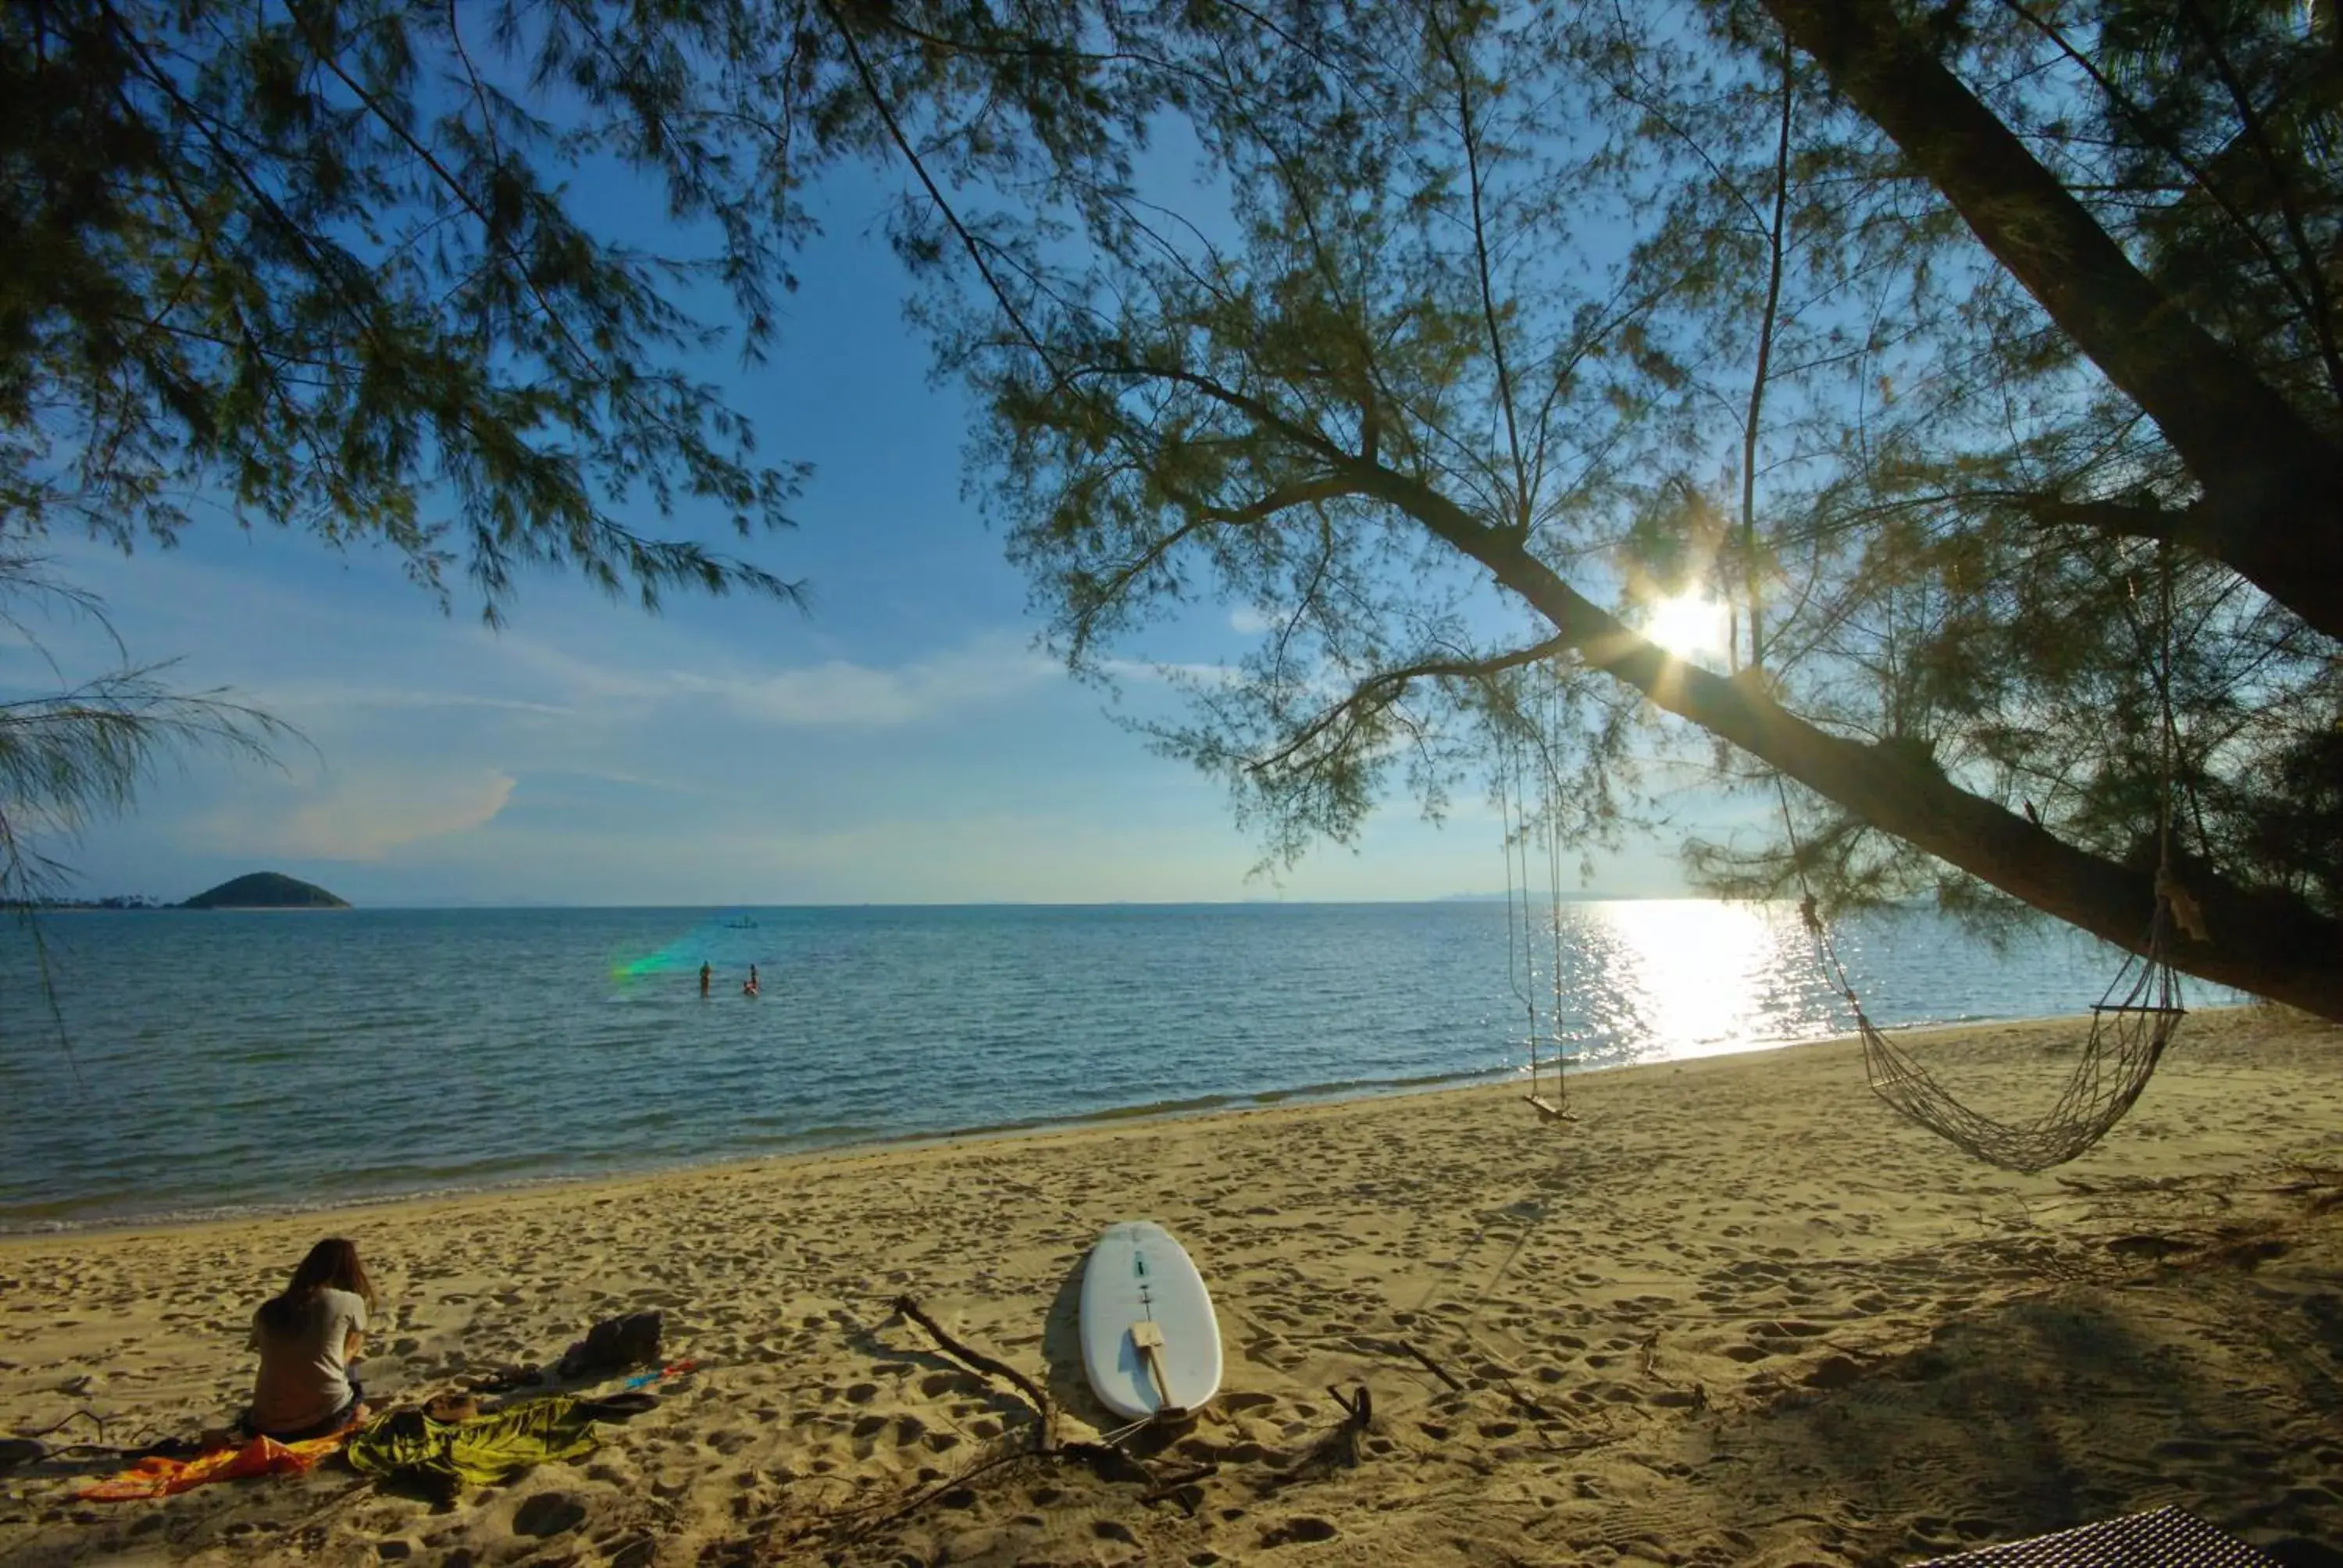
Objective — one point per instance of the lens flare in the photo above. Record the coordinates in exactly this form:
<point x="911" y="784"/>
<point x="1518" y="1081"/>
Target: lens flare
<point x="1687" y="625"/>
<point x="714" y="941"/>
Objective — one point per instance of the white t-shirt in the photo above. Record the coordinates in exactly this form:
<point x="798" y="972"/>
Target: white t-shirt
<point x="303" y="1379"/>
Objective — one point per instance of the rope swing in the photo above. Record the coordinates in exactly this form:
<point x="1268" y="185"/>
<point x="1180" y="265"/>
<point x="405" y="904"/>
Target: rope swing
<point x="1520" y="927"/>
<point x="2131" y="1024"/>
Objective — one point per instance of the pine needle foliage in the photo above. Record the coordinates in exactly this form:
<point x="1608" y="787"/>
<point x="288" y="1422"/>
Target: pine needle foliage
<point x="434" y="277"/>
<point x="1977" y="356"/>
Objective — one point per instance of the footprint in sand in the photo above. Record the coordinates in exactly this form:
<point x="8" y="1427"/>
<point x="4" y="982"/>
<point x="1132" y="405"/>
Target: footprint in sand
<point x="548" y="1513"/>
<point x="1301" y="1529"/>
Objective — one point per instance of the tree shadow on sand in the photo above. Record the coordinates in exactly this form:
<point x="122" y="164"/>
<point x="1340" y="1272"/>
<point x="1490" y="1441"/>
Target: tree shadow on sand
<point x="2048" y="1414"/>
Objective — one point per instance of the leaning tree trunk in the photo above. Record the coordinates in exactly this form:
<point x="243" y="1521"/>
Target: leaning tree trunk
<point x="2273" y="484"/>
<point x="2273" y="947"/>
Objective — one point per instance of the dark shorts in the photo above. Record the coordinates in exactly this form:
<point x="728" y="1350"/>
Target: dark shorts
<point x="326" y="1428"/>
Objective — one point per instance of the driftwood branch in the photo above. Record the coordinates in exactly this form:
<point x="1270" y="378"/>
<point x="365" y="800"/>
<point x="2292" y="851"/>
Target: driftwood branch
<point x="1172" y="1486"/>
<point x="920" y="1499"/>
<point x="88" y="1415"/>
<point x="1525" y="1404"/>
<point x="1514" y="1396"/>
<point x="987" y="1365"/>
<point x="1434" y="1367"/>
<point x="1361" y="1408"/>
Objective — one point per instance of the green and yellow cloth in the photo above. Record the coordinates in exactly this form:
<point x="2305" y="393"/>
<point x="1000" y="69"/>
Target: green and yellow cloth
<point x="446" y="1456"/>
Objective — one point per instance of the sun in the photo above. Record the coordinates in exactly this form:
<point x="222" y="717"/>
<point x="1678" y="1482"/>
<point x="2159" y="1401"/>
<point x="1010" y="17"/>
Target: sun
<point x="1687" y="625"/>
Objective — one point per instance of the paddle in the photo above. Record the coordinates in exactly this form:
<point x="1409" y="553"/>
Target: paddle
<point x="1149" y="1337"/>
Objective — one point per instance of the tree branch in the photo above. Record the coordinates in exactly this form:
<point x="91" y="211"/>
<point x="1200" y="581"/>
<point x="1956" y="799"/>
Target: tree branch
<point x="2116" y="520"/>
<point x="1380" y="691"/>
<point x="1749" y="424"/>
<point x="2320" y="307"/>
<point x="1200" y="516"/>
<point x="886" y="112"/>
<point x="1480" y="261"/>
<point x="2271" y="944"/>
<point x="2317" y="313"/>
<point x="2274" y="484"/>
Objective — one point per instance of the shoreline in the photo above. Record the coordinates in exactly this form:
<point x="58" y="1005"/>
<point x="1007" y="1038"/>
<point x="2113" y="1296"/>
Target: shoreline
<point x="1139" y="1116"/>
<point x="1736" y="1312"/>
<point x="227" y="1214"/>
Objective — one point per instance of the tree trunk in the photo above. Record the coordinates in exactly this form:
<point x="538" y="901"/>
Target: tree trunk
<point x="2273" y="509"/>
<point x="2272" y="946"/>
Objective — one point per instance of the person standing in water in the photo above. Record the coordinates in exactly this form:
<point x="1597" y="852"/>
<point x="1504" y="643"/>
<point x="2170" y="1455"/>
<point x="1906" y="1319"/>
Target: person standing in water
<point x="750" y="988"/>
<point x="705" y="973"/>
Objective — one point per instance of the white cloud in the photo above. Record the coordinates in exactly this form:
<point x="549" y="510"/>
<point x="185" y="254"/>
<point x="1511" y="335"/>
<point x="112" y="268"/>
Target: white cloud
<point x="318" y="695"/>
<point x="835" y="693"/>
<point x="1150" y="669"/>
<point x="361" y="820"/>
<point x="853" y="694"/>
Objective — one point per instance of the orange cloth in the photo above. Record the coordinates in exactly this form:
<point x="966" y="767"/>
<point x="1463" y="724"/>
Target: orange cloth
<point x="261" y="1456"/>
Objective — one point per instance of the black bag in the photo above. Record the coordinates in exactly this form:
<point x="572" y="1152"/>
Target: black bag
<point x="615" y="1344"/>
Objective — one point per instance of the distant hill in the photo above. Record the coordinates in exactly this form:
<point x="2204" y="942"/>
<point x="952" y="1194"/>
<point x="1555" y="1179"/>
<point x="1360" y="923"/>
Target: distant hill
<point x="266" y="891"/>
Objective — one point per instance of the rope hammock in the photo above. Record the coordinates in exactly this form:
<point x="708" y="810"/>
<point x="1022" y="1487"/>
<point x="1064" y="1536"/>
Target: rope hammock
<point x="2131" y="1024"/>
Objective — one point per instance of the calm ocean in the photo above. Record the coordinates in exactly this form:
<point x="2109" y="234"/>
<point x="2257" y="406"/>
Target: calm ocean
<point x="223" y="1062"/>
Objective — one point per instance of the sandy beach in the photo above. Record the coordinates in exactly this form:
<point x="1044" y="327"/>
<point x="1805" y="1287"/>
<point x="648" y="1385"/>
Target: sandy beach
<point x="1735" y="1313"/>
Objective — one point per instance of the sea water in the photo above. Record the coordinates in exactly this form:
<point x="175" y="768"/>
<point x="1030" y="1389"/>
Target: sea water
<point x="180" y="1063"/>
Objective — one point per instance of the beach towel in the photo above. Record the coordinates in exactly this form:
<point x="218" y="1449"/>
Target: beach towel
<point x="446" y="1456"/>
<point x="158" y="1477"/>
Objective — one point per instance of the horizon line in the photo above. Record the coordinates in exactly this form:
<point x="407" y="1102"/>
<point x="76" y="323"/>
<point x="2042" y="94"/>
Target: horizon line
<point x="93" y="905"/>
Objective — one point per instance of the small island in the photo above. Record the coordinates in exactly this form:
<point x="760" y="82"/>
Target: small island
<point x="266" y="891"/>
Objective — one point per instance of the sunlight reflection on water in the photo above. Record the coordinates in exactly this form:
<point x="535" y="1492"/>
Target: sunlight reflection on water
<point x="1682" y="978"/>
<point x="382" y="1050"/>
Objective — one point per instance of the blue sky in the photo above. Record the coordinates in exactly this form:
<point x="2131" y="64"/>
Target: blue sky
<point x="907" y="742"/>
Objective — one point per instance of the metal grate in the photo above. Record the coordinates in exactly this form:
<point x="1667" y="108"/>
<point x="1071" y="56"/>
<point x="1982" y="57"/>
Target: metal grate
<point x="2168" y="1538"/>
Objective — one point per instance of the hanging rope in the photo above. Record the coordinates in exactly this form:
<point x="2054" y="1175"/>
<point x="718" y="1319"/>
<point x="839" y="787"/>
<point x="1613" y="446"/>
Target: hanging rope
<point x="2131" y="1024"/>
<point x="1521" y="930"/>
<point x="1555" y="1107"/>
<point x="1520" y="952"/>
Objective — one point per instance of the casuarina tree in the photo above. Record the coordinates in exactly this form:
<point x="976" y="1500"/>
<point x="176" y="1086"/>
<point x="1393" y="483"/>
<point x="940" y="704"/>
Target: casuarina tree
<point x="435" y="278"/>
<point x="1981" y="358"/>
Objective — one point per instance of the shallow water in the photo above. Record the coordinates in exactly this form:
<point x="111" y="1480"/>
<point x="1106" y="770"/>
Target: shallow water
<point x="226" y="1060"/>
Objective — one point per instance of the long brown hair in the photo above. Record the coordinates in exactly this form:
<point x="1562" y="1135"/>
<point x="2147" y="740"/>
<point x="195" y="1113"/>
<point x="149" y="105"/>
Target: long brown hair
<point x="332" y="1265"/>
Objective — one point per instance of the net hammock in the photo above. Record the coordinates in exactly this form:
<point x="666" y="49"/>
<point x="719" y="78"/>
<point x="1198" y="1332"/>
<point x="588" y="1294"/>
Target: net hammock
<point x="2131" y="1024"/>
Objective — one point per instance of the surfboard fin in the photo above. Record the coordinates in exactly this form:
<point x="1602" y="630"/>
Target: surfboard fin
<point x="1148" y="1337"/>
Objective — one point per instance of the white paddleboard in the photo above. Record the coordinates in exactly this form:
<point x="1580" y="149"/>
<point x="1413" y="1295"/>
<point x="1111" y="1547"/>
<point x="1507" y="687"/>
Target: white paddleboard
<point x="1147" y="1322"/>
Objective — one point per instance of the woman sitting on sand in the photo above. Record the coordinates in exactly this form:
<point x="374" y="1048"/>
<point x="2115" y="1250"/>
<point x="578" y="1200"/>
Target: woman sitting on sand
<point x="308" y="1337"/>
